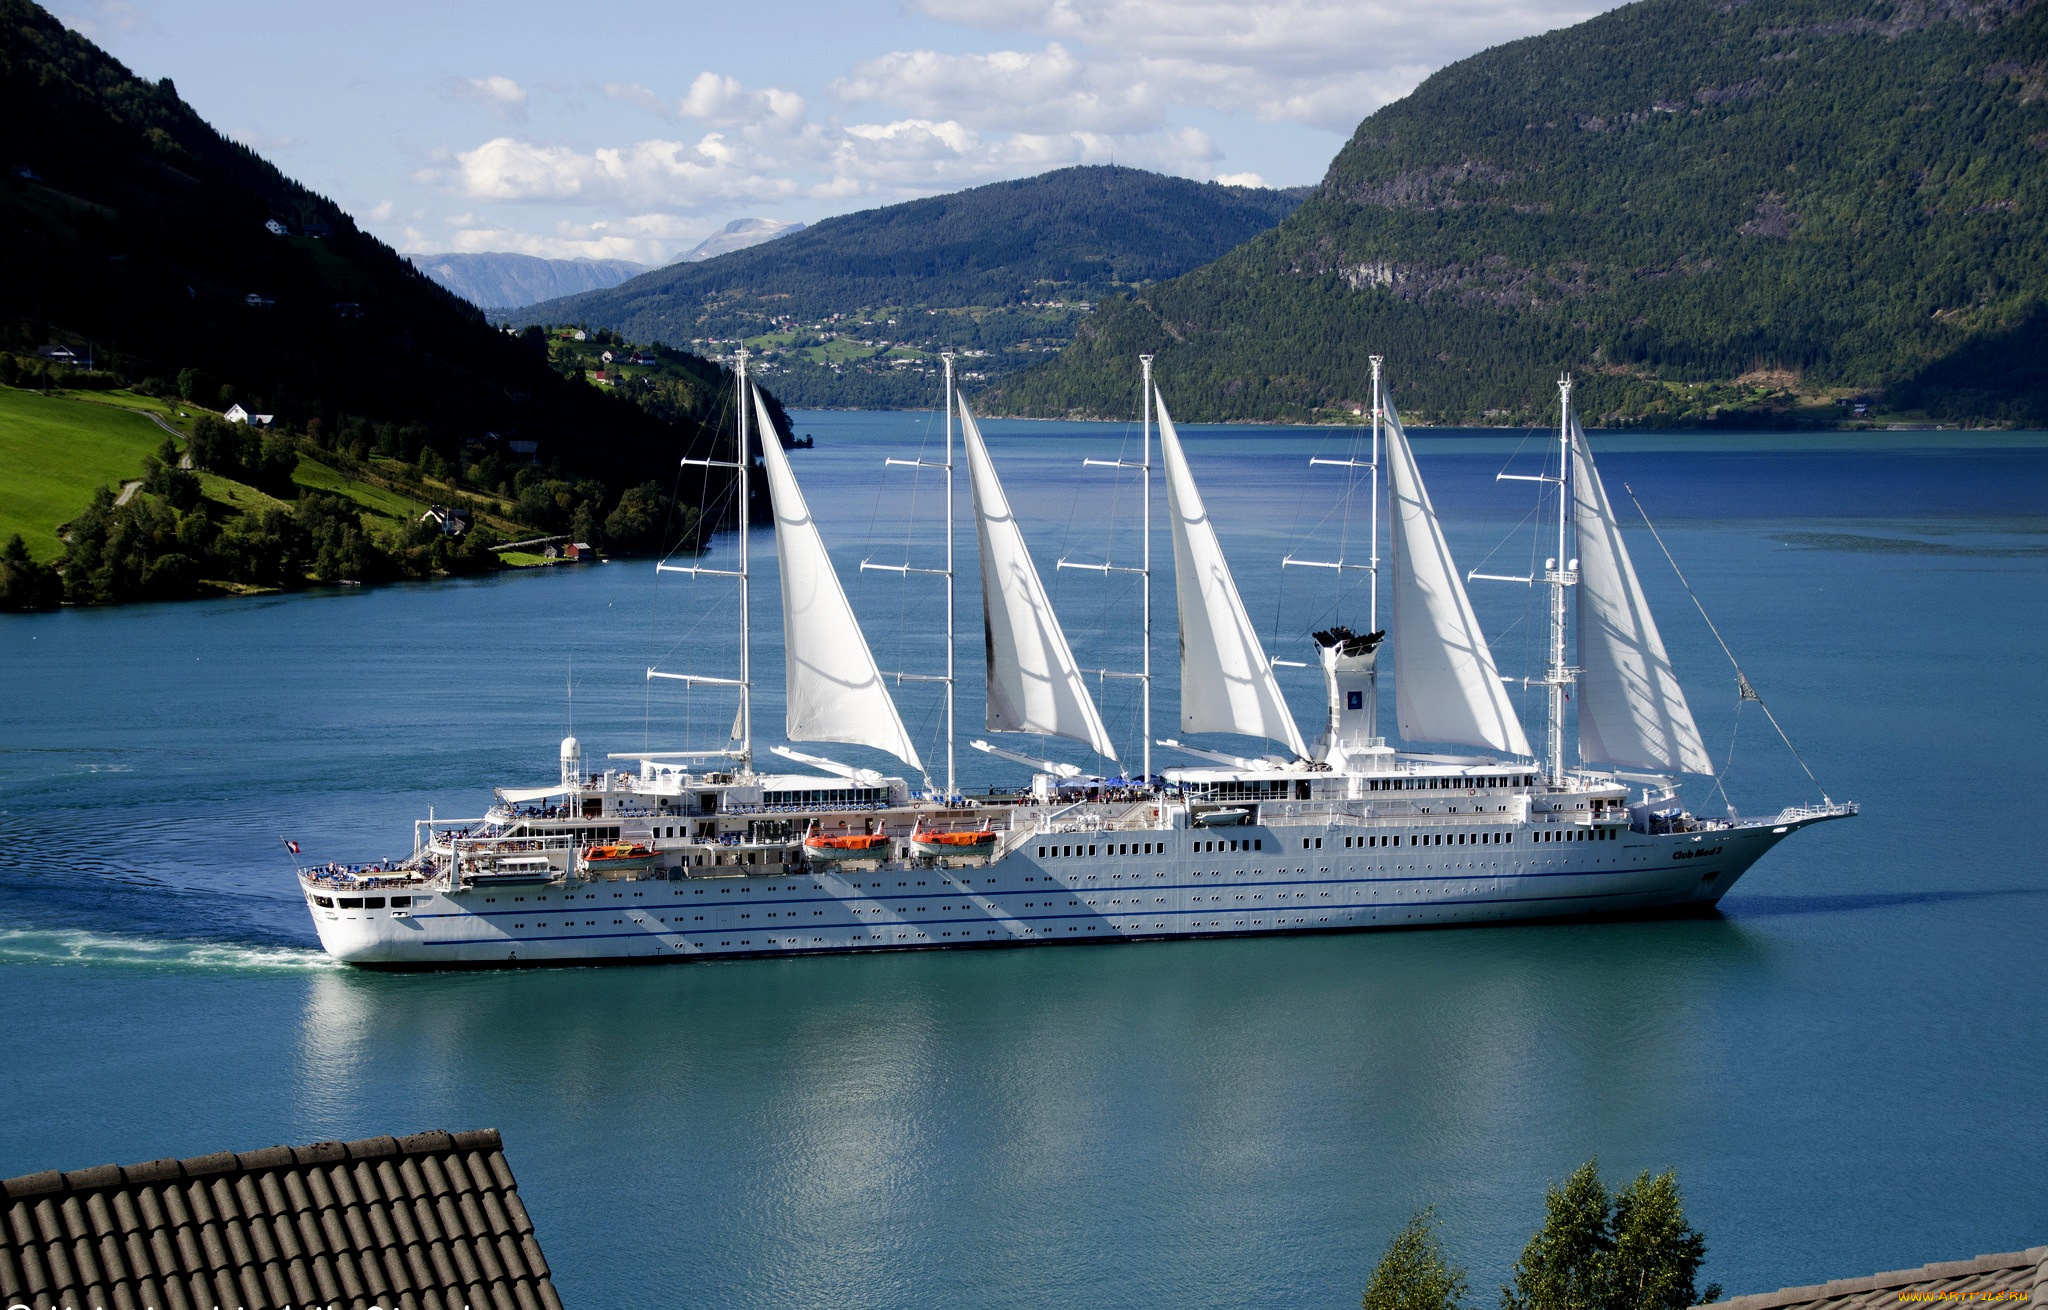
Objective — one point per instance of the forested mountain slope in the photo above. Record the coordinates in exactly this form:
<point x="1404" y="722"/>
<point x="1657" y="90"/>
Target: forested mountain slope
<point x="135" y="232"/>
<point x="1696" y="205"/>
<point x="851" y="310"/>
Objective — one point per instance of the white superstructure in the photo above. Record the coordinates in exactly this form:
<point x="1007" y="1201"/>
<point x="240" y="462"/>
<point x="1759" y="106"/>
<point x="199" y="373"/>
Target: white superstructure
<point x="688" y="855"/>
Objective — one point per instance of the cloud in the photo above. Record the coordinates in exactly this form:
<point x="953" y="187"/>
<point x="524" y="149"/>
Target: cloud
<point x="721" y="101"/>
<point x="643" y="238"/>
<point x="683" y="174"/>
<point x="1324" y="63"/>
<point x="501" y="95"/>
<point x="889" y="161"/>
<point x="382" y="211"/>
<point x="633" y="93"/>
<point x="1241" y="179"/>
<point x="259" y="141"/>
<point x="98" y="19"/>
<point x="1043" y="90"/>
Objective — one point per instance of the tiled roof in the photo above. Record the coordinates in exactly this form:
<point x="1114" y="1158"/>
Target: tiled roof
<point x="428" y="1222"/>
<point x="1985" y="1283"/>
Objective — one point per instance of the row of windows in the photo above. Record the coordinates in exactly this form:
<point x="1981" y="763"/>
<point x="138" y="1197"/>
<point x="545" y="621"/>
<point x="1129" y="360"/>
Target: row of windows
<point x="827" y="797"/>
<point x="1246" y="789"/>
<point x="1111" y="848"/>
<point x="1579" y="834"/>
<point x="1449" y="784"/>
<point x="361" y="902"/>
<point x="1254" y="844"/>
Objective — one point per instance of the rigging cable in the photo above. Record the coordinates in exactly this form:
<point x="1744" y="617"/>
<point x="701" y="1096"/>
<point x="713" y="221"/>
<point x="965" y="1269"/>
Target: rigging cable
<point x="1744" y="691"/>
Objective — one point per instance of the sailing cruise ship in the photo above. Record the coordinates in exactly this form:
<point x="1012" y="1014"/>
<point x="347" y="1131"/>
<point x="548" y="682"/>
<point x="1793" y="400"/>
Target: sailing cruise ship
<point x="693" y="855"/>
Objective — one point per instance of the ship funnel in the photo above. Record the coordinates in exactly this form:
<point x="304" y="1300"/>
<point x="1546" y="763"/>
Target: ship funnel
<point x="1351" y="684"/>
<point x="572" y="761"/>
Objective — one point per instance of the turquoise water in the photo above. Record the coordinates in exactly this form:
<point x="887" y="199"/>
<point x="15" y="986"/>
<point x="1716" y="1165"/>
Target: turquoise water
<point x="1847" y="1066"/>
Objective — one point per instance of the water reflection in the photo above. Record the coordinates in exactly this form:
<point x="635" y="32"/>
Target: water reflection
<point x="847" y="1130"/>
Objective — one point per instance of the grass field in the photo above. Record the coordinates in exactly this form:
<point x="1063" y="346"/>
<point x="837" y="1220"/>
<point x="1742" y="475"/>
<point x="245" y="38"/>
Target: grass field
<point x="54" y="449"/>
<point x="374" y="501"/>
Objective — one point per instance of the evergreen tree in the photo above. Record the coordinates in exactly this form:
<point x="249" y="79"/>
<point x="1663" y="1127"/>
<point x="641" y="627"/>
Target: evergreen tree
<point x="25" y="584"/>
<point x="1414" y="1273"/>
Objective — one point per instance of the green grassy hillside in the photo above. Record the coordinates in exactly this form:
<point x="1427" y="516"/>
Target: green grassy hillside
<point x="1702" y="207"/>
<point x="54" y="449"/>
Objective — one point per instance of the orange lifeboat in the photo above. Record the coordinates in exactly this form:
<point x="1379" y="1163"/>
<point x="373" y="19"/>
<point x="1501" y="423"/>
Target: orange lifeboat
<point x="846" y="845"/>
<point x="975" y="841"/>
<point x="617" y="857"/>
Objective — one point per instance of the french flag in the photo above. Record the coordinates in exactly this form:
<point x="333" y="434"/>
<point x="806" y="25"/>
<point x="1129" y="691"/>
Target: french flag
<point x="291" y="845"/>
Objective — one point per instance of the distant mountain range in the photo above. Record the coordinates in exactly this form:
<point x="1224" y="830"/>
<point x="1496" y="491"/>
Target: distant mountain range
<point x="506" y="282"/>
<point x="1751" y="209"/>
<point x="737" y="235"/>
<point x="852" y="310"/>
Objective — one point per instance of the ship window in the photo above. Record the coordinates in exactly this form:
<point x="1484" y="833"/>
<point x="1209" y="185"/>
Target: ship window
<point x="373" y="902"/>
<point x="351" y="902"/>
<point x="1091" y="848"/>
<point x="1258" y="843"/>
<point x="324" y="902"/>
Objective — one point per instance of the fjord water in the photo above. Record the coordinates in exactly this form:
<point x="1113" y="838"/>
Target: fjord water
<point x="1848" y="1066"/>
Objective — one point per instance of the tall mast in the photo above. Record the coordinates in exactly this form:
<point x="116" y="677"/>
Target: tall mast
<point x="741" y="465"/>
<point x="1145" y="567"/>
<point x="1560" y="574"/>
<point x="746" y="499"/>
<point x="947" y="572"/>
<point x="947" y="357"/>
<point x="1372" y="562"/>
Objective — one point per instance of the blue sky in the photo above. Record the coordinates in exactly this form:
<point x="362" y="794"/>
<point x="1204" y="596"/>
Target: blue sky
<point x="635" y="131"/>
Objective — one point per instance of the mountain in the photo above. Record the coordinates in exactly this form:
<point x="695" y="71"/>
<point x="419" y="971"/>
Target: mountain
<point x="736" y="235"/>
<point x="187" y="262"/>
<point x="1739" y="210"/>
<point x="505" y="281"/>
<point x="852" y="310"/>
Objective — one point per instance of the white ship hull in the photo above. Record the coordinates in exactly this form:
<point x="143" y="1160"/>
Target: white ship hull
<point x="1192" y="885"/>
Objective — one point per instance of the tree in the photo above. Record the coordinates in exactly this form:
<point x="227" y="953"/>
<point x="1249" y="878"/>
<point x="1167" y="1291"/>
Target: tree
<point x="636" y="522"/>
<point x="162" y="477"/>
<point x="25" y="584"/>
<point x="1565" y="1263"/>
<point x="1414" y="1274"/>
<point x="1631" y="1250"/>
<point x="1657" y="1254"/>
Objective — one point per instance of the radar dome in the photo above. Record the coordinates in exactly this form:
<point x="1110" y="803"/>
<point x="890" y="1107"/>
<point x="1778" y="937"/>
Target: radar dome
<point x="572" y="761"/>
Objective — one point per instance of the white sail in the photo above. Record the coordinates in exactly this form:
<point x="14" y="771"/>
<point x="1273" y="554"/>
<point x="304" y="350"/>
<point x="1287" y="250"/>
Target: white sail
<point x="1632" y="711"/>
<point x="1033" y="683"/>
<point x="1226" y="682"/>
<point x="835" y="691"/>
<point x="1446" y="687"/>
